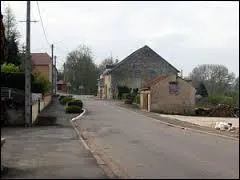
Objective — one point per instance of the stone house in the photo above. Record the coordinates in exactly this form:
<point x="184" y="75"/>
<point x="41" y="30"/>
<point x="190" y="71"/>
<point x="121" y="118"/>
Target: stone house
<point x="134" y="71"/>
<point x="168" y="94"/>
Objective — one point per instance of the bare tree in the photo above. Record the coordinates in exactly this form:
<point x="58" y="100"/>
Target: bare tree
<point x="102" y="66"/>
<point x="216" y="78"/>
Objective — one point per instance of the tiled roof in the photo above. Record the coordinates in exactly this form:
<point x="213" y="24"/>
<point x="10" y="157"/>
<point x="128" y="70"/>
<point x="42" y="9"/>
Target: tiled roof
<point x="140" y="53"/>
<point x="61" y="82"/>
<point x="41" y="59"/>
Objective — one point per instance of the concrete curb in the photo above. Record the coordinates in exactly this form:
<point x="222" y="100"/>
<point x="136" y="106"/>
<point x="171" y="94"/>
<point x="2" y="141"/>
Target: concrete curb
<point x="79" y="116"/>
<point x="99" y="161"/>
<point x="181" y="127"/>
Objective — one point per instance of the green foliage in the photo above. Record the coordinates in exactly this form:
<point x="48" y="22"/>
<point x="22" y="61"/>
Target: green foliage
<point x="75" y="102"/>
<point x="122" y="90"/>
<point x="137" y="99"/>
<point x="80" y="71"/>
<point x="40" y="84"/>
<point x="220" y="99"/>
<point x="13" y="80"/>
<point x="12" y="35"/>
<point x="65" y="100"/>
<point x="73" y="109"/>
<point x="201" y="90"/>
<point x="124" y="95"/>
<point x="9" y="68"/>
<point x="61" y="97"/>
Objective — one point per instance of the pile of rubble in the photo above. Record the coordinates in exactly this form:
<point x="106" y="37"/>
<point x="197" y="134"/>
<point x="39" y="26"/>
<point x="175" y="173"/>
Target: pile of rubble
<point x="221" y="110"/>
<point x="224" y="111"/>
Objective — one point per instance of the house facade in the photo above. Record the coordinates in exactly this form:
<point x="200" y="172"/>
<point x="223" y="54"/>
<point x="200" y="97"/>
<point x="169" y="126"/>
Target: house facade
<point x="61" y="86"/>
<point x="168" y="94"/>
<point x="134" y="71"/>
<point x="42" y="63"/>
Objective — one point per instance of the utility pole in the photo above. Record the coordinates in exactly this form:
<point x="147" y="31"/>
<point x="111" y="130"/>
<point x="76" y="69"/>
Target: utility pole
<point x="28" y="70"/>
<point x="52" y="72"/>
<point x="55" y="75"/>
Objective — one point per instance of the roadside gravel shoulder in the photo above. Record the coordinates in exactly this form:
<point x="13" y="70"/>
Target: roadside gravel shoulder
<point x="177" y="122"/>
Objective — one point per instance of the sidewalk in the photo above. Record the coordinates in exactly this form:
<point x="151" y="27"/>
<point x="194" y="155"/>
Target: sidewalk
<point x="47" y="151"/>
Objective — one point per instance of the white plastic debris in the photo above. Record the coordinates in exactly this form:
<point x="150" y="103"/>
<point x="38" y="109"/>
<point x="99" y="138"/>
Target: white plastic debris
<point x="223" y="126"/>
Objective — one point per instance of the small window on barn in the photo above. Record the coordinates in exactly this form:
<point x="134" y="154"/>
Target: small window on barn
<point x="173" y="88"/>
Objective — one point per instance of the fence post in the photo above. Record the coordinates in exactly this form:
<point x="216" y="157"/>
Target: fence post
<point x="38" y="105"/>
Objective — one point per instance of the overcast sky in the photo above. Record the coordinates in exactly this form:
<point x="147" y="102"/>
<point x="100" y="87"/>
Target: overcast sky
<point x="186" y="34"/>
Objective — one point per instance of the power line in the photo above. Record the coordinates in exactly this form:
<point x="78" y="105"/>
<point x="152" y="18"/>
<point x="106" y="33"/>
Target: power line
<point x="42" y="24"/>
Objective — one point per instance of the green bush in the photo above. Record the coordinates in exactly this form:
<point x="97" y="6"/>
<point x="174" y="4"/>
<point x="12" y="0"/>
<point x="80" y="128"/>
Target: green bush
<point x="124" y="95"/>
<point x="9" y="68"/>
<point x="73" y="109"/>
<point x="215" y="99"/>
<point x="137" y="99"/>
<point x="221" y="99"/>
<point x="66" y="99"/>
<point x="14" y="80"/>
<point x="122" y="90"/>
<point x="75" y="102"/>
<point x="40" y="84"/>
<point x="61" y="97"/>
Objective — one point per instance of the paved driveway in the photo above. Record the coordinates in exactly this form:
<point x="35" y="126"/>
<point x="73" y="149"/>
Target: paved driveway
<point x="135" y="146"/>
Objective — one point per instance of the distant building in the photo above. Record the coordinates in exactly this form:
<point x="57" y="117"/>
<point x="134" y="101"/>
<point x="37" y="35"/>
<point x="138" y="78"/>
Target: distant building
<point x="134" y="71"/>
<point x="61" y="86"/>
<point x="42" y="63"/>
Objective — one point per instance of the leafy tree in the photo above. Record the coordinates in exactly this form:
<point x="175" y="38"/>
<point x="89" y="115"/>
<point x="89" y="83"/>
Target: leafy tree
<point x="12" y="35"/>
<point x="80" y="71"/>
<point x="9" y="68"/>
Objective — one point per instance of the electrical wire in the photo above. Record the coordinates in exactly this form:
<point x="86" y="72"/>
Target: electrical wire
<point x="42" y="24"/>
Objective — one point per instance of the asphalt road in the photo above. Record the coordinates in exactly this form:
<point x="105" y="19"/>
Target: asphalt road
<point x="142" y="147"/>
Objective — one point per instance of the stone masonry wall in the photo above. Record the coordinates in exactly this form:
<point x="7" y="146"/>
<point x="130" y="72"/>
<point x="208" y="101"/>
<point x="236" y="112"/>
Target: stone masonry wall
<point x="180" y="103"/>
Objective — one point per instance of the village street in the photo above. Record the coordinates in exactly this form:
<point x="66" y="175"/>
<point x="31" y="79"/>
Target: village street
<point x="136" y="146"/>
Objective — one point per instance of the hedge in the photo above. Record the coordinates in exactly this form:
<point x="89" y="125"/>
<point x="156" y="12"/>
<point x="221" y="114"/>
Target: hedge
<point x="75" y="102"/>
<point x="64" y="100"/>
<point x="16" y="80"/>
<point x="73" y="109"/>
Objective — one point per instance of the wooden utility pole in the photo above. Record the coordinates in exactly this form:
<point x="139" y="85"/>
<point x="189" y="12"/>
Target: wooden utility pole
<point x="52" y="72"/>
<point x="55" y="75"/>
<point x="28" y="70"/>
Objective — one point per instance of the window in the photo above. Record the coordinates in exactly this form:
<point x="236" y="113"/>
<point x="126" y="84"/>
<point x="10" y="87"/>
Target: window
<point x="173" y="88"/>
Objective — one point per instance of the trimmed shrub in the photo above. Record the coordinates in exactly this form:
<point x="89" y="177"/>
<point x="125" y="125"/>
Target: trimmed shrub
<point x="61" y="97"/>
<point x="66" y="99"/>
<point x="73" y="109"/>
<point x="13" y="80"/>
<point x="75" y="102"/>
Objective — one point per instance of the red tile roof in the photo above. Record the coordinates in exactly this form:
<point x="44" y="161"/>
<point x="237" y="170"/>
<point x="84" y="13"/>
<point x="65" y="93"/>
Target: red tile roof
<point x="41" y="59"/>
<point x="61" y="82"/>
